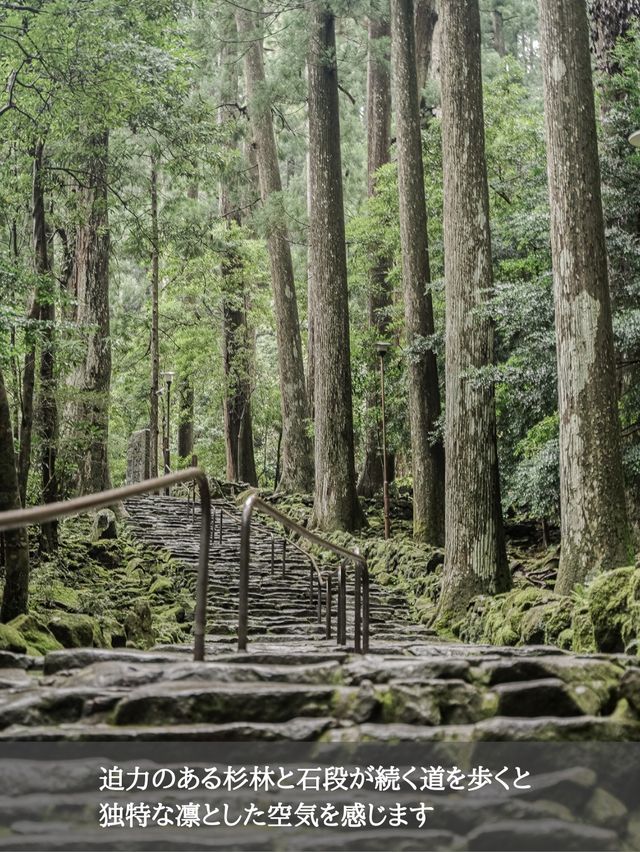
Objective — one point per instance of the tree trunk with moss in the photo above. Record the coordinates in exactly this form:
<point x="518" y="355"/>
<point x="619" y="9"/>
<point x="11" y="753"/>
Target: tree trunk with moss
<point x="16" y="543"/>
<point x="237" y="342"/>
<point x="594" y="530"/>
<point x="92" y="381"/>
<point x="154" y="343"/>
<point x="31" y="339"/>
<point x="47" y="409"/>
<point x="426" y="18"/>
<point x="475" y="557"/>
<point x="610" y="21"/>
<point x="336" y="503"/>
<point x="297" y="463"/>
<point x="427" y="457"/>
<point x="185" y="424"/>
<point x="380" y="295"/>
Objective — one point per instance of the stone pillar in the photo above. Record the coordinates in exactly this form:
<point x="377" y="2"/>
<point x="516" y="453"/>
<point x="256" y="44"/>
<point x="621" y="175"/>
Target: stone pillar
<point x="139" y="456"/>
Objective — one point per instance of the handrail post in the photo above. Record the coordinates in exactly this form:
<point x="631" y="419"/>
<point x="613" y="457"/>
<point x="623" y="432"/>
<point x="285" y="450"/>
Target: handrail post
<point x="243" y="581"/>
<point x="357" y="644"/>
<point x="342" y="604"/>
<point x="361" y="577"/>
<point x="200" y="618"/>
<point x="365" y="612"/>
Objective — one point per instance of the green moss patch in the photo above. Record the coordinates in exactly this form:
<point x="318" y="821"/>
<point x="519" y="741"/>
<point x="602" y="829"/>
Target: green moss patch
<point x="106" y="593"/>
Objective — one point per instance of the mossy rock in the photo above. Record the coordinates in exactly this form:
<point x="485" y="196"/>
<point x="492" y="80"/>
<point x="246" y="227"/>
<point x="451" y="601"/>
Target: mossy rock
<point x="104" y="525"/>
<point x="542" y="625"/>
<point x="608" y="603"/>
<point x="12" y="640"/>
<point x="107" y="552"/>
<point x="73" y="630"/>
<point x="63" y="597"/>
<point x="565" y="639"/>
<point x="38" y="637"/>
<point x="582" y="628"/>
<point x="113" y="632"/>
<point x="138" y="625"/>
<point x="517" y="616"/>
<point x="175" y="613"/>
<point x="532" y="628"/>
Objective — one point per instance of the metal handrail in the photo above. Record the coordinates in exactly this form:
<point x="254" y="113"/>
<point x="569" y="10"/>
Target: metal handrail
<point x="17" y="518"/>
<point x="361" y="606"/>
<point x="286" y="542"/>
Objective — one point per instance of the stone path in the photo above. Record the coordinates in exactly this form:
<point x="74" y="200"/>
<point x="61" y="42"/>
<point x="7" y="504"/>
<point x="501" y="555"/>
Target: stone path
<point x="292" y="683"/>
<point x="294" y="686"/>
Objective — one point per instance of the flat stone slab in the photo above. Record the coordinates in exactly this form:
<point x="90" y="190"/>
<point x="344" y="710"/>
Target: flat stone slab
<point x="77" y="658"/>
<point x="298" y="729"/>
<point x="183" y="702"/>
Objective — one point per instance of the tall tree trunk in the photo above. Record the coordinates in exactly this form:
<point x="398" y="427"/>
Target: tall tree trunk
<point x="311" y="265"/>
<point x="426" y="18"/>
<point x="16" y="543"/>
<point x="185" y="425"/>
<point x="237" y="338"/>
<point x="475" y="558"/>
<point x="497" y="26"/>
<point x="335" y="501"/>
<point x="155" y="331"/>
<point x="297" y="467"/>
<point x="47" y="407"/>
<point x="93" y="378"/>
<point x="380" y="291"/>
<point x="29" y="370"/>
<point x="594" y="530"/>
<point x="237" y="369"/>
<point x="427" y="456"/>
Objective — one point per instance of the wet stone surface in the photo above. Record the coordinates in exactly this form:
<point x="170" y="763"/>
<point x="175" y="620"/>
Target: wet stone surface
<point x="411" y="684"/>
<point x="293" y="684"/>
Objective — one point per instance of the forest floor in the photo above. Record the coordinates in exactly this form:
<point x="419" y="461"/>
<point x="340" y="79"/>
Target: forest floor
<point x="123" y="592"/>
<point x="292" y="684"/>
<point x="601" y="616"/>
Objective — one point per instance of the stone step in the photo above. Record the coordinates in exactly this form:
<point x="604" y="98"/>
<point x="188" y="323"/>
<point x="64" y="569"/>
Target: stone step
<point x="195" y="702"/>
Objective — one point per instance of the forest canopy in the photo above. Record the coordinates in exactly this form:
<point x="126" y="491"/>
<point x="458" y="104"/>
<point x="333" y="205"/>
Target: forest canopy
<point x="212" y="211"/>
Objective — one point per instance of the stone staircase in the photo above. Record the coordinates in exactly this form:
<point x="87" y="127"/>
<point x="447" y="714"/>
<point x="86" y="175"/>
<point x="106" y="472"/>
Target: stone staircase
<point x="294" y="684"/>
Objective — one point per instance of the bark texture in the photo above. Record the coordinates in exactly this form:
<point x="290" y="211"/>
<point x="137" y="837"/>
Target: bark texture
<point x="297" y="463"/>
<point x="47" y="407"/>
<point x="426" y="18"/>
<point x="427" y="456"/>
<point x="497" y="27"/>
<point x="594" y="530"/>
<point x="185" y="425"/>
<point x="380" y="291"/>
<point x="610" y="20"/>
<point x="237" y="339"/>
<point x="31" y="339"/>
<point x="155" y="331"/>
<point x="237" y="369"/>
<point x="336" y="504"/>
<point x="475" y="559"/>
<point x="93" y="378"/>
<point x="15" y="597"/>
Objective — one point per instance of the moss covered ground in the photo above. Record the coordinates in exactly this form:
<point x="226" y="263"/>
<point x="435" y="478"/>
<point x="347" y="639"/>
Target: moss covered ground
<point x="603" y="616"/>
<point x="105" y="593"/>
